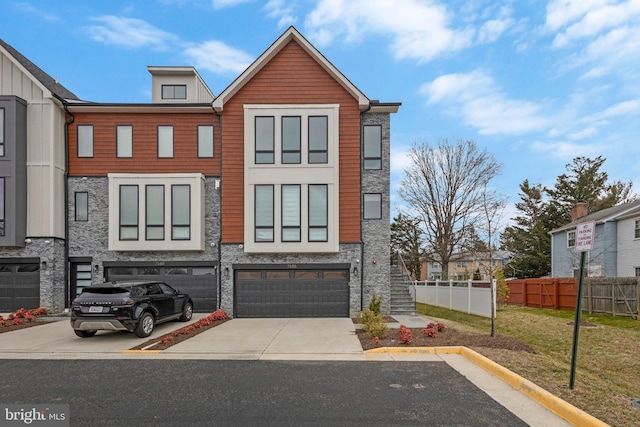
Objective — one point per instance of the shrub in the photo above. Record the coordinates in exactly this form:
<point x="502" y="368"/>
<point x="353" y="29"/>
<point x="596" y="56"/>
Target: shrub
<point x="375" y="303"/>
<point x="372" y="322"/>
<point x="437" y="326"/>
<point x="406" y="336"/>
<point x="430" y="332"/>
<point x="220" y="315"/>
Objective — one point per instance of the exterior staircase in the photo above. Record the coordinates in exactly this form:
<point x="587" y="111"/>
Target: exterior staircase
<point x="401" y="300"/>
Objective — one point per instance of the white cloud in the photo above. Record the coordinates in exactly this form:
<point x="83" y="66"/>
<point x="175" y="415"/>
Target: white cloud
<point x="491" y="30"/>
<point x="26" y="7"/>
<point x="284" y="14"/>
<point x="130" y="33"/>
<point x="416" y="29"/>
<point x="217" y="57"/>
<point x="562" y="12"/>
<point x="221" y="4"/>
<point x="480" y="103"/>
<point x="566" y="150"/>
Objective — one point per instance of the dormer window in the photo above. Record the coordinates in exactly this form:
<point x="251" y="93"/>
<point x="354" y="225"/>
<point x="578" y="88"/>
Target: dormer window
<point x="174" y="91"/>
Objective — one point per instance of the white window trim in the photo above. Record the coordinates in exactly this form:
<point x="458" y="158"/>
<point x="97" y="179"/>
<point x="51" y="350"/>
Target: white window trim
<point x="197" y="183"/>
<point x="569" y="233"/>
<point x="303" y="174"/>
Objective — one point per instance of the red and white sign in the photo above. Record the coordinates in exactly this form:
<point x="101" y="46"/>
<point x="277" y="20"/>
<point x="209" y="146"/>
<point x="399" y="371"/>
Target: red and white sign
<point x="585" y="233"/>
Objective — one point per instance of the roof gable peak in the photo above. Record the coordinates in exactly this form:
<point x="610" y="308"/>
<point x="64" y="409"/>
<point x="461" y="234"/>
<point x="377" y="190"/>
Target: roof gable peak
<point x="291" y="34"/>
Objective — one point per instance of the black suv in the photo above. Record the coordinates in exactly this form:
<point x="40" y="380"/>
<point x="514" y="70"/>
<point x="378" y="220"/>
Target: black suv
<point x="128" y="306"/>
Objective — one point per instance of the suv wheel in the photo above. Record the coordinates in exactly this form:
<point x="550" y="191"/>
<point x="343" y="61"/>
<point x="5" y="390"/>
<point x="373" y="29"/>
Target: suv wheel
<point x="84" y="334"/>
<point x="145" y="325"/>
<point x="187" y="312"/>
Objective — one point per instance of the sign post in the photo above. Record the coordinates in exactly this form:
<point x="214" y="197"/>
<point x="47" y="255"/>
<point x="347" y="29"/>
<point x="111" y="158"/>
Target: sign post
<point x="585" y="234"/>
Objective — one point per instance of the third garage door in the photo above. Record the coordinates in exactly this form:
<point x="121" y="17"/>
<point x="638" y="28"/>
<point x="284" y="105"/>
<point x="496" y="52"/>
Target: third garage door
<point x="291" y="292"/>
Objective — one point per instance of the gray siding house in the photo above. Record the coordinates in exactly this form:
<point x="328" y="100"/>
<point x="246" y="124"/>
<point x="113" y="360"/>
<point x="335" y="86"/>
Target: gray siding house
<point x="616" y="251"/>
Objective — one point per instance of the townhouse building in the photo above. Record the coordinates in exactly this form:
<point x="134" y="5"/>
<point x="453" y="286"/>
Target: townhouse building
<point x="270" y="199"/>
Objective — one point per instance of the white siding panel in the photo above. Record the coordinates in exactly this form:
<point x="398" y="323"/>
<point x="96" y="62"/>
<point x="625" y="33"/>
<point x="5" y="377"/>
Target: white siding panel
<point x="628" y="248"/>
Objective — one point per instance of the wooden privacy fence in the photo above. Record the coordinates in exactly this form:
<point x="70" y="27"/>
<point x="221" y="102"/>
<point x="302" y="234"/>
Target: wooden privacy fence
<point x="618" y="296"/>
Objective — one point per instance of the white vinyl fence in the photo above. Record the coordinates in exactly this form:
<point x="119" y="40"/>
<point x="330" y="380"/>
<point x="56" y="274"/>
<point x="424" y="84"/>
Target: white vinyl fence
<point x="472" y="297"/>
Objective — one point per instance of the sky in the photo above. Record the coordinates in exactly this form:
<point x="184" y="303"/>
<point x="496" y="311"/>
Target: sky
<point x="535" y="83"/>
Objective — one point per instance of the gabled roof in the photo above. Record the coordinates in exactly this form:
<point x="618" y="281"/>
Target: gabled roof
<point x="605" y="215"/>
<point x="36" y="72"/>
<point x="290" y="34"/>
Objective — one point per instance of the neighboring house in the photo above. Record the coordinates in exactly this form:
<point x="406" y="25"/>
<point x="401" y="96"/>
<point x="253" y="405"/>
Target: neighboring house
<point x="269" y="200"/>
<point x="465" y="265"/>
<point x="616" y="246"/>
<point x="32" y="174"/>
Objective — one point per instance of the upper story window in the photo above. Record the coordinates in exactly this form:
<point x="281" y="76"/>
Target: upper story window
<point x="461" y="264"/>
<point x="264" y="213"/>
<point x="124" y="141"/>
<point x="373" y="147"/>
<point x="318" y="139"/>
<point x="85" y="140"/>
<point x="174" y="91"/>
<point x="318" y="213"/>
<point x="637" y="229"/>
<point x="156" y="212"/>
<point x="2" y="202"/>
<point x="82" y="206"/>
<point x="571" y="239"/>
<point x="291" y="139"/>
<point x="372" y="206"/>
<point x="291" y="213"/>
<point x="1" y="132"/>
<point x="165" y="141"/>
<point x="205" y="141"/>
<point x="264" y="137"/>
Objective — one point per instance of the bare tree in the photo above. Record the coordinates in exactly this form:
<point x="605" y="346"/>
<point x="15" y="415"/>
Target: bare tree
<point x="445" y="185"/>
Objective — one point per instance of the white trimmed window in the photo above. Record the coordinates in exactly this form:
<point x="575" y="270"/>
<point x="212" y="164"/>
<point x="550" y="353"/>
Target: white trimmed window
<point x="571" y="239"/>
<point x="291" y="178"/>
<point x="637" y="229"/>
<point x="156" y="212"/>
<point x="174" y="91"/>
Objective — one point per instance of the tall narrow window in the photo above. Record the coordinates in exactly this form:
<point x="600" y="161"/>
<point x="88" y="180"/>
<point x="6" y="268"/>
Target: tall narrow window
<point x="205" y="141"/>
<point x="165" y="141"/>
<point x="372" y="206"/>
<point x="264" y="140"/>
<point x="180" y="212"/>
<point x="373" y="147"/>
<point x="1" y="132"/>
<point x="318" y="139"/>
<point x="264" y="213"/>
<point x="85" y="140"/>
<point x="82" y="206"/>
<point x="124" y="141"/>
<point x="290" y="140"/>
<point x="318" y="213"/>
<point x="291" y="213"/>
<point x="154" y="202"/>
<point x="571" y="238"/>
<point x="128" y="212"/>
<point x="2" y="203"/>
<point x="174" y="91"/>
<point x="637" y="229"/>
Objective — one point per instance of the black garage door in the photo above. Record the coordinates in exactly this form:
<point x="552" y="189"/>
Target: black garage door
<point x="291" y="293"/>
<point x="198" y="280"/>
<point x="19" y="284"/>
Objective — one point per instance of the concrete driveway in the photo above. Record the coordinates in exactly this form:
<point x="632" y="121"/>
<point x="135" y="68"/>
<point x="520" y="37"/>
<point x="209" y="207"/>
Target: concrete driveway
<point x="331" y="338"/>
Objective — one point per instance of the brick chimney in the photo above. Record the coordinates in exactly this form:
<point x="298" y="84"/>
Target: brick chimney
<point x="579" y="210"/>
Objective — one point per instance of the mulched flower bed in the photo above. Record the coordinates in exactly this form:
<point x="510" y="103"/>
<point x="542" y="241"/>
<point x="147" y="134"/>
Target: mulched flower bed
<point x="22" y="319"/>
<point x="217" y="318"/>
<point x="445" y="338"/>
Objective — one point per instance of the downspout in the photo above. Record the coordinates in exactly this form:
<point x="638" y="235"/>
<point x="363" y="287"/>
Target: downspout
<point x="66" y="198"/>
<point x="219" y="293"/>
<point x="360" y="192"/>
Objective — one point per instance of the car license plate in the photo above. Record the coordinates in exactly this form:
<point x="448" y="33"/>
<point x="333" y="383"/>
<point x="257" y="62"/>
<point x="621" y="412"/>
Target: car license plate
<point x="95" y="309"/>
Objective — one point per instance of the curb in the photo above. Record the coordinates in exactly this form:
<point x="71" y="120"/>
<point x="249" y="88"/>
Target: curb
<point x="556" y="405"/>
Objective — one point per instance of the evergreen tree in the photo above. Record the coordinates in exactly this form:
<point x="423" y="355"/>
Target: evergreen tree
<point x="406" y="237"/>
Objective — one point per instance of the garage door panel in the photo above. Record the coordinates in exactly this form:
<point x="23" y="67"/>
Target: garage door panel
<point x="284" y="295"/>
<point x="201" y="288"/>
<point x="19" y="286"/>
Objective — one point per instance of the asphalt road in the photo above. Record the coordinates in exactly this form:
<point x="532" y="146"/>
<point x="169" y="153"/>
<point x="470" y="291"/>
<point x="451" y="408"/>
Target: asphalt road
<point x="250" y="393"/>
